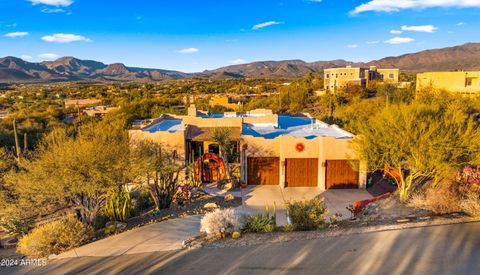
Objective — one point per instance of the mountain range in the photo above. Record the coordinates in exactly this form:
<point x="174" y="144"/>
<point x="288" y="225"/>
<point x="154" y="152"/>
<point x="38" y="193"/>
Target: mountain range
<point x="16" y="70"/>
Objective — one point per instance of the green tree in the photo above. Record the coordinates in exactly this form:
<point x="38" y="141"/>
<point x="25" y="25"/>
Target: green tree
<point x="74" y="170"/>
<point x="428" y="142"/>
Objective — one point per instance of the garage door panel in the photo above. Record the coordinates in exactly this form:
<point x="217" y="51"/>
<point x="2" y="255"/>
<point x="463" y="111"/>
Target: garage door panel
<point x="263" y="170"/>
<point x="301" y="172"/>
<point x="340" y="175"/>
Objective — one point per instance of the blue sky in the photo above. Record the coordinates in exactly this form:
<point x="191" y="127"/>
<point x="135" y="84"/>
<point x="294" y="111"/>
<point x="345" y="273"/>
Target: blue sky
<point x="191" y="36"/>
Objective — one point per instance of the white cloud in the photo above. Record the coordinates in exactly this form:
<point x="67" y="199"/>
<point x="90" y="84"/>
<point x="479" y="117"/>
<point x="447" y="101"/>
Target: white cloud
<point x="57" y="10"/>
<point x="398" y="5"/>
<point x="188" y="50"/>
<point x="16" y="34"/>
<point x="373" y="42"/>
<point x="56" y="3"/>
<point x="423" y="28"/>
<point x="399" y="40"/>
<point x="461" y="24"/>
<point x="396" y="31"/>
<point x="48" y="56"/>
<point x="65" y="38"/>
<point x="352" y="46"/>
<point x="265" y="24"/>
<point x="26" y="57"/>
<point x="12" y="25"/>
<point x="238" y="61"/>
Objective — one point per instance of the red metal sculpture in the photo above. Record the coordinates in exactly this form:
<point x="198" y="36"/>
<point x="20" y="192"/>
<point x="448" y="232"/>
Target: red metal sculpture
<point x="209" y="168"/>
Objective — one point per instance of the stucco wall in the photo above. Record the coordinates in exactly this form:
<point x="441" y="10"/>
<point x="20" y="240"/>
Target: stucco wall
<point x="450" y="81"/>
<point x="171" y="141"/>
<point x="321" y="148"/>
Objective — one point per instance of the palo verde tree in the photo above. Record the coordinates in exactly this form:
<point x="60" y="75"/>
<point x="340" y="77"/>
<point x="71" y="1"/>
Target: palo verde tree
<point x="427" y="142"/>
<point x="74" y="170"/>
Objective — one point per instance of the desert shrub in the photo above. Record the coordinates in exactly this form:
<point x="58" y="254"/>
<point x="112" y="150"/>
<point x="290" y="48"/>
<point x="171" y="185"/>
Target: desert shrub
<point x="118" y="206"/>
<point x="14" y="225"/>
<point x="55" y="237"/>
<point x="469" y="190"/>
<point x="142" y="200"/>
<point x="221" y="222"/>
<point x="308" y="214"/>
<point x="261" y="223"/>
<point x="442" y="199"/>
<point x="257" y="223"/>
<point x="100" y="222"/>
<point x="183" y="195"/>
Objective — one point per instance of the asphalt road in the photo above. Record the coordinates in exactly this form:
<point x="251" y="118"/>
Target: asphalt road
<point x="448" y="249"/>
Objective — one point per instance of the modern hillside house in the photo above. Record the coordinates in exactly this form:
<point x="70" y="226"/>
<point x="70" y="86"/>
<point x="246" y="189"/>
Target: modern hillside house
<point x="341" y="78"/>
<point x="459" y="82"/>
<point x="284" y="150"/>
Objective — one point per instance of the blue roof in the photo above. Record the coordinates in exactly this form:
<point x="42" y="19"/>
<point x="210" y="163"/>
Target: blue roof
<point x="302" y="127"/>
<point x="166" y="125"/>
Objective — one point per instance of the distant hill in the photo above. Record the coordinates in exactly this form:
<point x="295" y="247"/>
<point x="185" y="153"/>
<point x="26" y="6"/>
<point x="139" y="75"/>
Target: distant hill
<point x="464" y="57"/>
<point x="13" y="70"/>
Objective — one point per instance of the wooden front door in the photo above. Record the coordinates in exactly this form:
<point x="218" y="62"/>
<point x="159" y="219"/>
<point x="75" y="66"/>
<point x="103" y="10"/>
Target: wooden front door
<point x="340" y="175"/>
<point x="301" y="172"/>
<point x="263" y="171"/>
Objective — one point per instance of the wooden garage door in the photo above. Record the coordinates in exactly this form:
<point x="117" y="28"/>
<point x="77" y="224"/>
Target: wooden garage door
<point x="340" y="175"/>
<point x="263" y="171"/>
<point x="301" y="173"/>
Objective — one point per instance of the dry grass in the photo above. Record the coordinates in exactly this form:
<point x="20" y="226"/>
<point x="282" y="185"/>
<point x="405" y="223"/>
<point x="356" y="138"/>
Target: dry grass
<point x="440" y="200"/>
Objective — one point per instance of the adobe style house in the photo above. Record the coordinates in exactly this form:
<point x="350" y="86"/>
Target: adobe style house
<point x="340" y="78"/>
<point x="459" y="82"/>
<point x="284" y="150"/>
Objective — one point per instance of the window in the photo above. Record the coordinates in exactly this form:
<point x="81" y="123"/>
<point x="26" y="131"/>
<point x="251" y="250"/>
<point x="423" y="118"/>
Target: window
<point x="328" y="75"/>
<point x="469" y="82"/>
<point x="391" y="76"/>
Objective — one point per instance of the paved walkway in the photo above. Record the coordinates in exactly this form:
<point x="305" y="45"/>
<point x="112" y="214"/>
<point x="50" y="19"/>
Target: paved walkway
<point x="256" y="198"/>
<point x="448" y="249"/>
<point x="163" y="236"/>
<point x="169" y="235"/>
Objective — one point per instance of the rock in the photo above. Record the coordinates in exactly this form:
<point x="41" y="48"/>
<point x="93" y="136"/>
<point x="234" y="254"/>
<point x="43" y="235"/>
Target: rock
<point x="229" y="197"/>
<point x="210" y="205"/>
<point x="227" y="186"/>
<point x="119" y="226"/>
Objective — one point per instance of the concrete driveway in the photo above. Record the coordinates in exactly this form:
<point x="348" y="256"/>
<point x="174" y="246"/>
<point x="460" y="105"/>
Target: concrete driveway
<point x="256" y="198"/>
<point x="163" y="236"/>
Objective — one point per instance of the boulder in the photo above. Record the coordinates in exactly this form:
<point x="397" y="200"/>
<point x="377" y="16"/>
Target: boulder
<point x="229" y="197"/>
<point x="210" y="205"/>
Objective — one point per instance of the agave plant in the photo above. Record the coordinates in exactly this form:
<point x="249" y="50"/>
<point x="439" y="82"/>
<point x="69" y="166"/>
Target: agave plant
<point x="118" y="206"/>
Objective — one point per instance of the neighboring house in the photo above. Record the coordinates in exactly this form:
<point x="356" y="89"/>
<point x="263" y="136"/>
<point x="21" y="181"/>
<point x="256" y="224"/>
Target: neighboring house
<point x="341" y="78"/>
<point x="81" y="103"/>
<point x="460" y="82"/>
<point x="226" y="102"/>
<point x="289" y="151"/>
<point x="99" y="111"/>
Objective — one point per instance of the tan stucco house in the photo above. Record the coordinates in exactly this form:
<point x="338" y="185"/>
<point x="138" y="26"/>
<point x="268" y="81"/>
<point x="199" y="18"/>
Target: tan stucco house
<point x="284" y="150"/>
<point x="341" y="78"/>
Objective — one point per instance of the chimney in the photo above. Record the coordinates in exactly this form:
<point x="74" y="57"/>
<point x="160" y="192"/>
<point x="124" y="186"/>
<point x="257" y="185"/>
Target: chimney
<point x="192" y="110"/>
